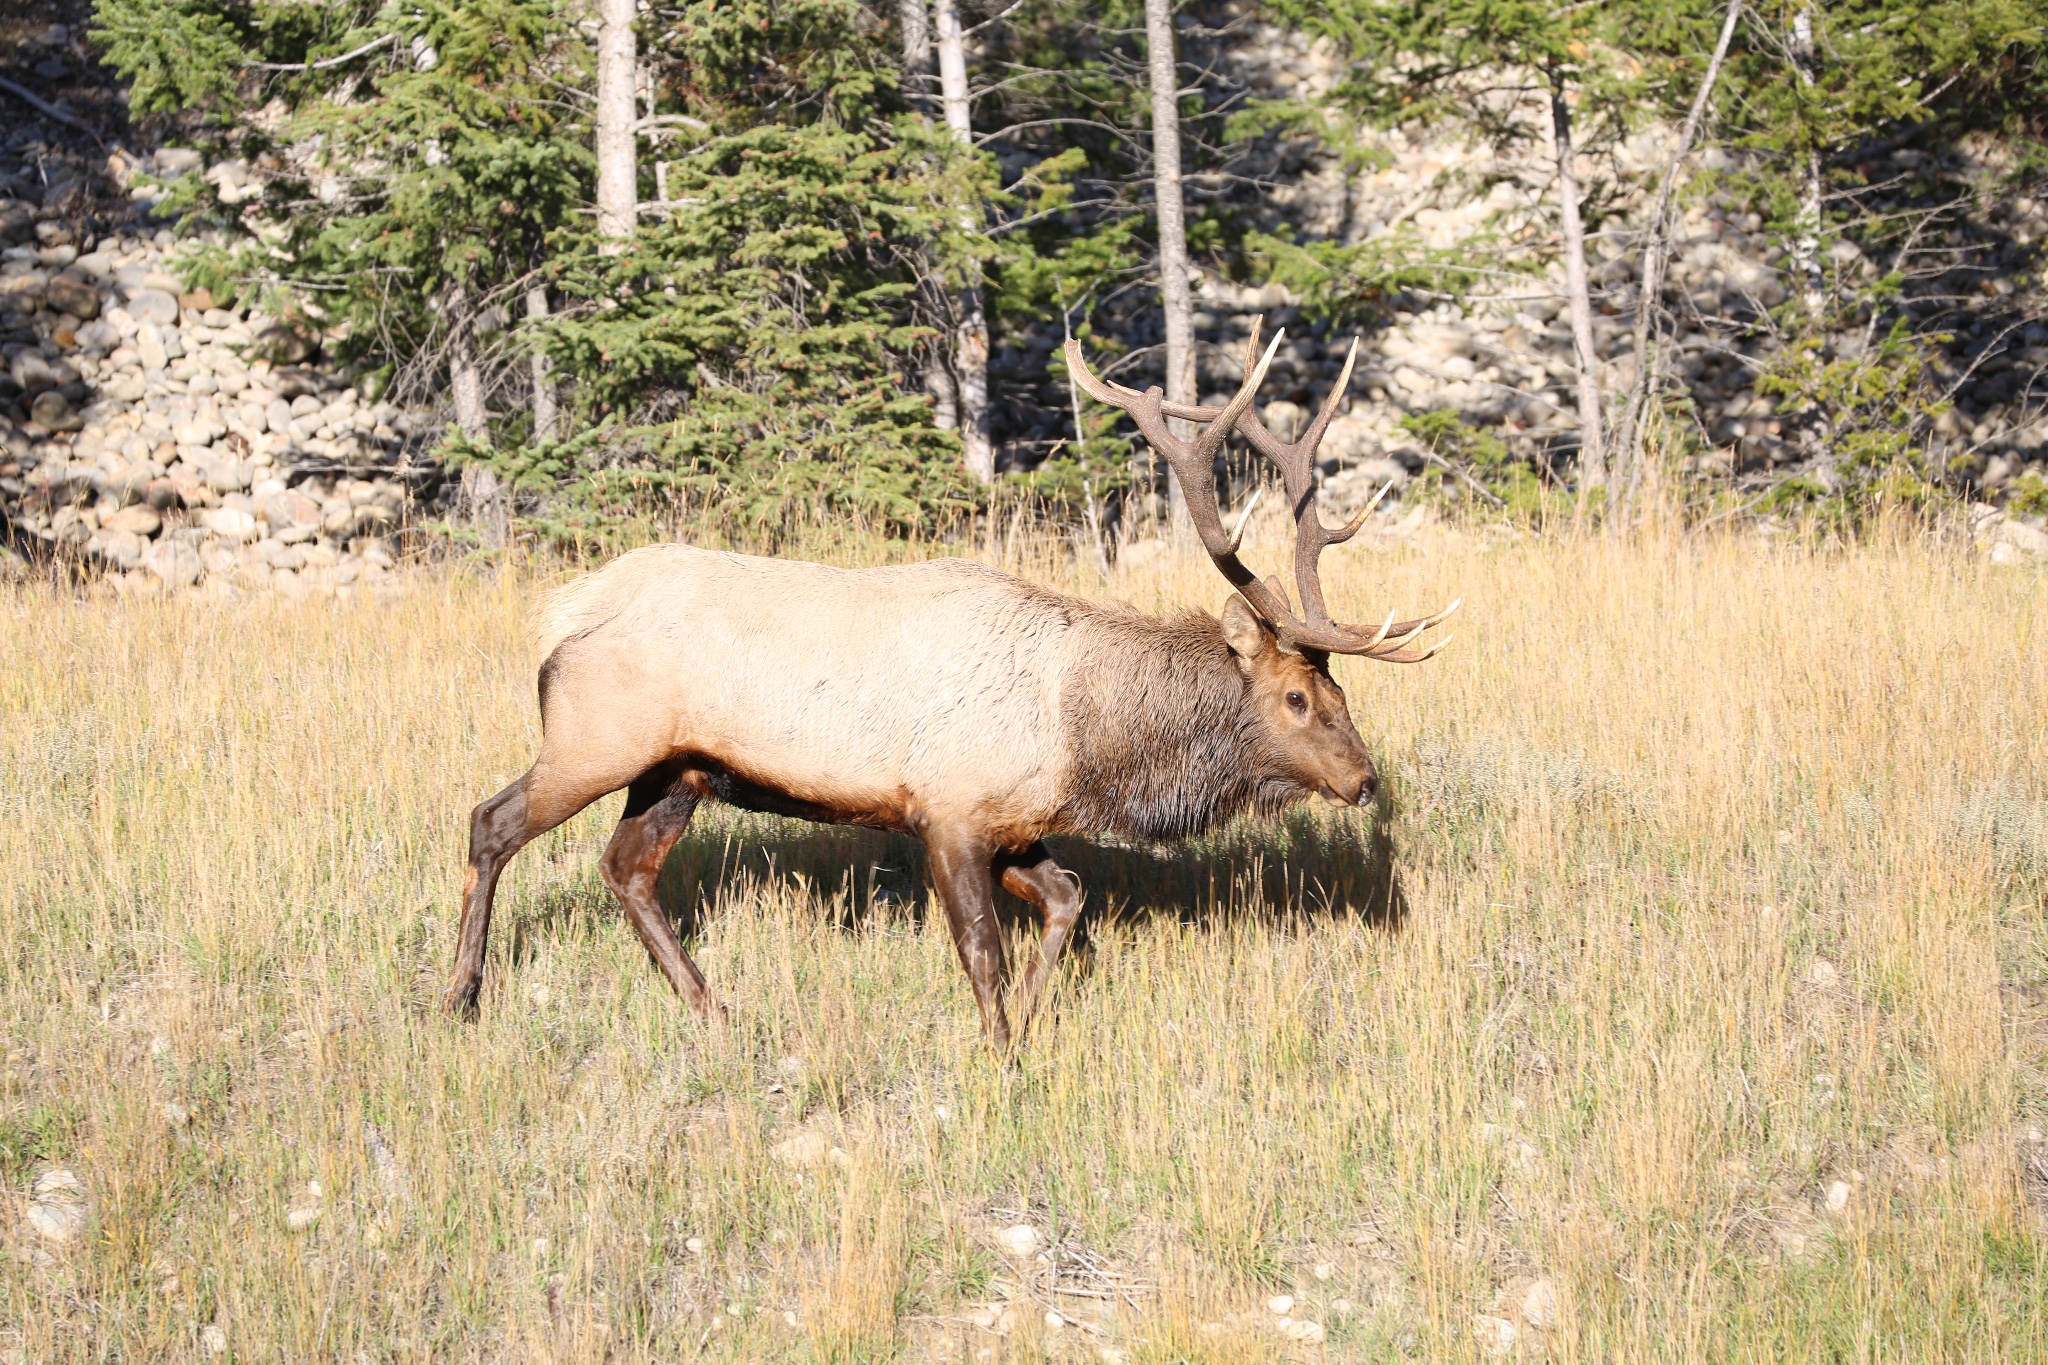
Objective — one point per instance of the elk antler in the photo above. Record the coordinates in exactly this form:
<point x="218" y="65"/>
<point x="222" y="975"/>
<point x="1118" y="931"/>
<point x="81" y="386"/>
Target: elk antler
<point x="1195" y="464"/>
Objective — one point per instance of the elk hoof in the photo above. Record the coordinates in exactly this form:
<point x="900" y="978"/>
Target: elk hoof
<point x="459" y="1000"/>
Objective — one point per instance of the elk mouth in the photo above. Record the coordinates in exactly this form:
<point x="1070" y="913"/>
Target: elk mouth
<point x="1337" y="798"/>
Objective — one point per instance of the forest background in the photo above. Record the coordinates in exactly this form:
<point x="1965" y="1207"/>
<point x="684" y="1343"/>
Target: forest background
<point x="814" y="259"/>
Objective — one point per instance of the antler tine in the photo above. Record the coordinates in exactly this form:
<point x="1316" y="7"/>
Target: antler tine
<point x="1244" y="519"/>
<point x="1194" y="463"/>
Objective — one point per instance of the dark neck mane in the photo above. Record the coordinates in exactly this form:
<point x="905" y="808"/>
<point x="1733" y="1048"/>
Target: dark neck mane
<point x="1163" y="742"/>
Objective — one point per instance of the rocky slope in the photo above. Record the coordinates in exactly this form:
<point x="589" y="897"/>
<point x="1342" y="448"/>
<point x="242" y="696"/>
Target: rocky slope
<point x="155" y="435"/>
<point x="150" y="432"/>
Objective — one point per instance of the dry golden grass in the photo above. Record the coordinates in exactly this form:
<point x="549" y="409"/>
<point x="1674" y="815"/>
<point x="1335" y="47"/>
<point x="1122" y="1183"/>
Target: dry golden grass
<point x="1709" y="876"/>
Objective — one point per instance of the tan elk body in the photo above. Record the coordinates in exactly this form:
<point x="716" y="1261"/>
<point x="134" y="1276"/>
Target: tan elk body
<point x="947" y="700"/>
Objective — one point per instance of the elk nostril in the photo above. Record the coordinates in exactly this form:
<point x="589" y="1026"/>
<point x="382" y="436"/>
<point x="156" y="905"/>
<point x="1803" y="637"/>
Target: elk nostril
<point x="1367" y="788"/>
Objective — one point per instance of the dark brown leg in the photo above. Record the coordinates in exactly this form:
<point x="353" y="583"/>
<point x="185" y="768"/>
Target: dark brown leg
<point x="498" y="828"/>
<point x="1033" y="876"/>
<point x="960" y="870"/>
<point x="658" y="809"/>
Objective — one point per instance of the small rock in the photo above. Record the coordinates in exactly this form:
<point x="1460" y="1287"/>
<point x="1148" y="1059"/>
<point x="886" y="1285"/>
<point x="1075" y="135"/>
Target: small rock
<point x="694" y="1245"/>
<point x="53" y="410"/>
<point x="122" y="549"/>
<point x="1300" y="1329"/>
<point x="802" y="1150"/>
<point x="172" y="162"/>
<point x="1823" y="973"/>
<point x="175" y="1114"/>
<point x="231" y="523"/>
<point x="153" y="306"/>
<point x="1280" y="1305"/>
<point x="302" y="1220"/>
<point x="74" y="296"/>
<point x="1495" y="1336"/>
<point x="57" y="1213"/>
<point x="173" y="561"/>
<point x="1020" y="1240"/>
<point x="1053" y="1320"/>
<point x="213" y="1340"/>
<point x="140" y="520"/>
<point x="1537" y="1304"/>
<point x="1342" y="1307"/>
<point x="1838" y="1196"/>
<point x="1325" y="1270"/>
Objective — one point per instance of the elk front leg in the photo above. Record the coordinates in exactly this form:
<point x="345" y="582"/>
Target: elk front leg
<point x="960" y="870"/>
<point x="658" y="810"/>
<point x="1033" y="876"/>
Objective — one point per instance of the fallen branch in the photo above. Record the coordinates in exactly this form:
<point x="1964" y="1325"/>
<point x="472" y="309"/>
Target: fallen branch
<point x="1477" y="487"/>
<point x="49" y="110"/>
<point x="324" y="64"/>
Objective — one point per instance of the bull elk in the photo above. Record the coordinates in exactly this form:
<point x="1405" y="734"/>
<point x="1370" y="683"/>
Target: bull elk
<point x="945" y="700"/>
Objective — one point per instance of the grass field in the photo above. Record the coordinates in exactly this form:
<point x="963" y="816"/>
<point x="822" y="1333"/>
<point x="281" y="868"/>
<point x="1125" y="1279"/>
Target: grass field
<point x="1685" y="998"/>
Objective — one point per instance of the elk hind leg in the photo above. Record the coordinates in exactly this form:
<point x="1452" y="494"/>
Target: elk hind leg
<point x="658" y="810"/>
<point x="1033" y="876"/>
<point x="547" y="795"/>
<point x="499" y="828"/>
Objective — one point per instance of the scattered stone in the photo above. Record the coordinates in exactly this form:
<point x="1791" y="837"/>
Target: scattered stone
<point x="213" y="1340"/>
<point x="175" y="1114"/>
<point x="1822" y="973"/>
<point x="57" y="1211"/>
<point x="804" y="1150"/>
<point x="1280" y="1305"/>
<point x="175" y="562"/>
<point x="1494" y="1336"/>
<point x="1838" y="1196"/>
<point x="140" y="519"/>
<point x="1301" y="1329"/>
<point x="153" y="306"/>
<point x="1537" y="1304"/>
<point x="1020" y="1240"/>
<point x="77" y="297"/>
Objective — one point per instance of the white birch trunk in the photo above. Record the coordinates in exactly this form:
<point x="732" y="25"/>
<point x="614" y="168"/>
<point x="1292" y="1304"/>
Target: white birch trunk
<point x="1592" y="452"/>
<point x="1164" y="70"/>
<point x="915" y="21"/>
<point x="1629" y="454"/>
<point x="970" y="331"/>
<point x="541" y="370"/>
<point x="1806" y="244"/>
<point x="618" y="187"/>
<point x="482" y="498"/>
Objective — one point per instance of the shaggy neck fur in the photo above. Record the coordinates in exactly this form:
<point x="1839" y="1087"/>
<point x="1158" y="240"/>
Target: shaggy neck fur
<point x="1162" y="734"/>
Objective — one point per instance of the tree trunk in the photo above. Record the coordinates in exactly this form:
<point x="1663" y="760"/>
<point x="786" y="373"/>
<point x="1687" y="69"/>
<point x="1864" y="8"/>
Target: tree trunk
<point x="938" y="383"/>
<point x="1592" y="452"/>
<point x="543" y="380"/>
<point x="970" y="325"/>
<point x="1164" y="69"/>
<point x="465" y="380"/>
<point x="1628" y="444"/>
<point x="1806" y="244"/>
<point x="482" y="498"/>
<point x="917" y="53"/>
<point x="618" y="188"/>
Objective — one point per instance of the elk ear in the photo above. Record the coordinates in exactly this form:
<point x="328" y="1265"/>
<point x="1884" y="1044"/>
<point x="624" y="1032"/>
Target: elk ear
<point x="1247" y="636"/>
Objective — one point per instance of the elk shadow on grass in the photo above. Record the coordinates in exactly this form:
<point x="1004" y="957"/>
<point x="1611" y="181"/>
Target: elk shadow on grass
<point x="1303" y="864"/>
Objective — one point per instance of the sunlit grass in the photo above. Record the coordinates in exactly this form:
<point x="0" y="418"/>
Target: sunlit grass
<point x="1708" y="877"/>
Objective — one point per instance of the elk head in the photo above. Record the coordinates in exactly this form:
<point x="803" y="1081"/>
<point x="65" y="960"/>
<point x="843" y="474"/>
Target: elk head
<point x="1285" y="657"/>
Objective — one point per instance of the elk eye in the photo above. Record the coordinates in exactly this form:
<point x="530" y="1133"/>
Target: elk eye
<point x="1297" y="701"/>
